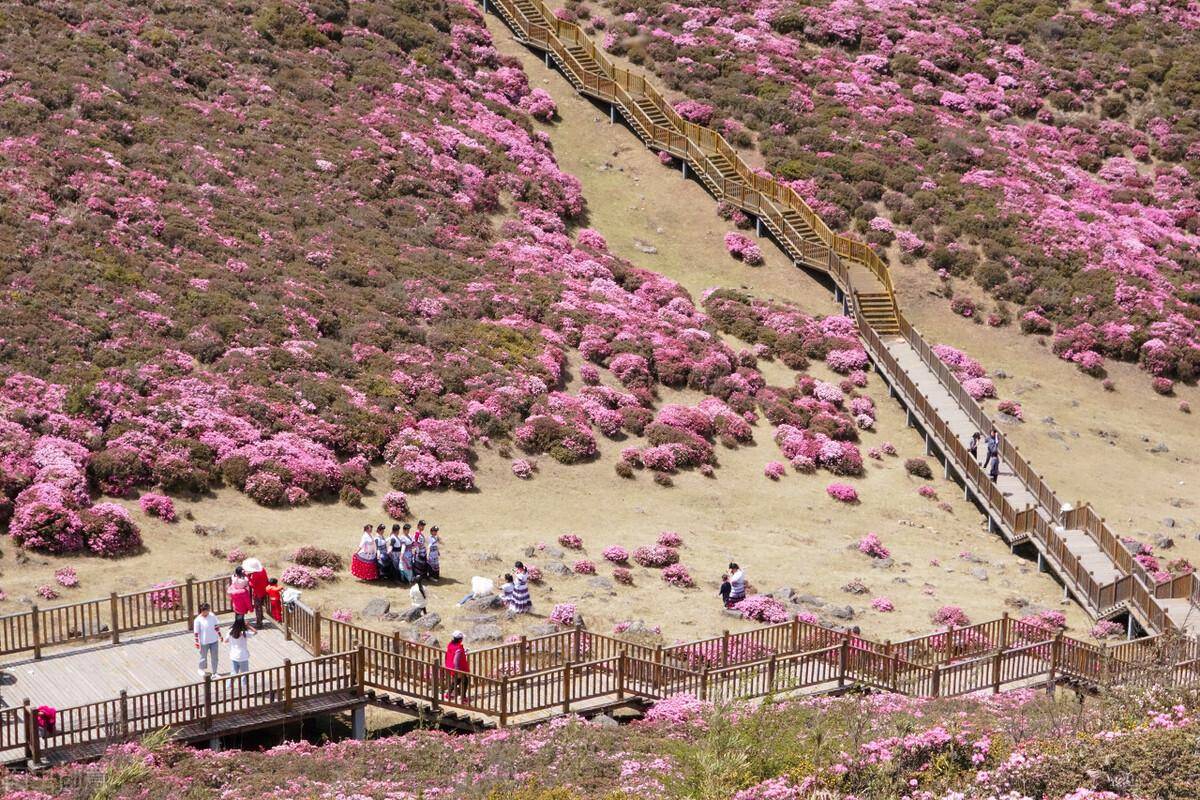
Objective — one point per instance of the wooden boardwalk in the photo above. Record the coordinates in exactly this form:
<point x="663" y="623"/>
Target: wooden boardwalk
<point x="147" y="663"/>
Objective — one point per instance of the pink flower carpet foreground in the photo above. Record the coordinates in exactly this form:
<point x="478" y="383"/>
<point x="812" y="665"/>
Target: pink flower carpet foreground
<point x="1014" y="746"/>
<point x="1043" y="152"/>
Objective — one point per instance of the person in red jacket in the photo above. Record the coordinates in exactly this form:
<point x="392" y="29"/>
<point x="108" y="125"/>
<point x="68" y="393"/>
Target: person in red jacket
<point x="456" y="659"/>
<point x="258" y="588"/>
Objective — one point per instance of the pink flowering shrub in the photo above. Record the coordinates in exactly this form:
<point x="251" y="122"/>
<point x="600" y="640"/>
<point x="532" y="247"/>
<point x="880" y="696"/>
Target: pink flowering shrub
<point x="66" y="577"/>
<point x="872" y="546"/>
<point x="584" y="567"/>
<point x="678" y="575"/>
<point x="1106" y="629"/>
<point x="774" y="470"/>
<point x="693" y="111"/>
<point x="927" y="491"/>
<point x="342" y="615"/>
<point x="316" y="557"/>
<point x="1049" y="621"/>
<point x="522" y="469"/>
<point x="761" y="608"/>
<point x="395" y="505"/>
<point x="655" y="556"/>
<point x="882" y="604"/>
<point x="539" y="104"/>
<point x="951" y="616"/>
<point x="46" y="592"/>
<point x="571" y="541"/>
<point x="743" y="249"/>
<point x="157" y="505"/>
<point x="623" y="576"/>
<point x="670" y="539"/>
<point x="236" y="556"/>
<point x="166" y="596"/>
<point x="108" y="530"/>
<point x="299" y="576"/>
<point x="563" y="614"/>
<point x="615" y="553"/>
<point x="1012" y="408"/>
<point x="842" y="492"/>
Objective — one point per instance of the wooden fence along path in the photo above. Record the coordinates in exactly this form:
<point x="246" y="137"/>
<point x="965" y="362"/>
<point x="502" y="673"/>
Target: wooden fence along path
<point x="529" y="680"/>
<point x="1094" y="565"/>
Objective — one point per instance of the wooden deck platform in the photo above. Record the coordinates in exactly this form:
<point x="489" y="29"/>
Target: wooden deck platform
<point x="145" y="663"/>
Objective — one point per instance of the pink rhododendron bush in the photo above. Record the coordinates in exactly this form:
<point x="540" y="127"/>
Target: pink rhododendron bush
<point x="874" y="747"/>
<point x="221" y="329"/>
<point x="1041" y="152"/>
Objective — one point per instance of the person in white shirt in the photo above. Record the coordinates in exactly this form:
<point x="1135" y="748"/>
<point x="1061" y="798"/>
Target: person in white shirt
<point x="239" y="647"/>
<point x="737" y="584"/>
<point x="206" y="630"/>
<point x="417" y="594"/>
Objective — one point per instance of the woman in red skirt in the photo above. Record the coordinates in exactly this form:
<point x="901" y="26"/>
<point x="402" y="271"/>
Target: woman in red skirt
<point x="363" y="565"/>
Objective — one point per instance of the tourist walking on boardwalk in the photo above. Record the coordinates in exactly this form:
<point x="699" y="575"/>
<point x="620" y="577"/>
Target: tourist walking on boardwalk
<point x="258" y="588"/>
<point x="275" y="594"/>
<point x="239" y="647"/>
<point x="239" y="593"/>
<point x="737" y="584"/>
<point x="992" y="443"/>
<point x="206" y="630"/>
<point x="522" y="603"/>
<point x="994" y="471"/>
<point x="973" y="445"/>
<point x="363" y="565"/>
<point x="456" y="660"/>
<point x="435" y="553"/>
<point x="725" y="590"/>
<point x="417" y="594"/>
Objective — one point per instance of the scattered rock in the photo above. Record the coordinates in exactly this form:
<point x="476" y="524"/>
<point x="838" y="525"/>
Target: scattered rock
<point x="1048" y="420"/>
<point x="484" y="558"/>
<point x="1016" y="602"/>
<point x="882" y="563"/>
<point x="1162" y="542"/>
<point x="409" y="616"/>
<point x="554" y="552"/>
<point x="480" y="604"/>
<point x="556" y="568"/>
<point x="605" y="721"/>
<point x="530" y="551"/>
<point x="429" y="621"/>
<point x="642" y="247"/>
<point x="626" y="713"/>
<point x="208" y="530"/>
<point x="484" y="633"/>
<point x="856" y="586"/>
<point x="377" y="607"/>
<point x="841" y="612"/>
<point x="1161" y="447"/>
<point x="543" y="629"/>
<point x="600" y="582"/>
<point x="1169" y="522"/>
<point x="999" y="373"/>
<point x="729" y="612"/>
<point x="811" y="600"/>
<point x="980" y="573"/>
<point x="784" y="593"/>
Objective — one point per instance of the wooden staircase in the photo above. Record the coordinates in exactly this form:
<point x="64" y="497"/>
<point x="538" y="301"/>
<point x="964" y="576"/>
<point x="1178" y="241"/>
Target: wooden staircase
<point x="879" y="309"/>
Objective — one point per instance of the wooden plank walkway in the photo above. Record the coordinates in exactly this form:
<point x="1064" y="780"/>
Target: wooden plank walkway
<point x="146" y="663"/>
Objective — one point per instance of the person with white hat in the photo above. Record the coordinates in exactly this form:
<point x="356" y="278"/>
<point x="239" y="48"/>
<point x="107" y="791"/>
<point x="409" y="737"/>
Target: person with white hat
<point x="258" y="588"/>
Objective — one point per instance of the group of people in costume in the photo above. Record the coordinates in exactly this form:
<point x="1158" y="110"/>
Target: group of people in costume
<point x="408" y="554"/>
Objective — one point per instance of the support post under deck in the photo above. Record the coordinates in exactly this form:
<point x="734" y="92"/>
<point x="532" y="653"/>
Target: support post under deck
<point x="683" y="168"/>
<point x="358" y="724"/>
<point x="612" y="113"/>
<point x="758" y="227"/>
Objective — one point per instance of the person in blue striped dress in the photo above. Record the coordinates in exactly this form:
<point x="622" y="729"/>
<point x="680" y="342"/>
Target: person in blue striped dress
<point x="522" y="603"/>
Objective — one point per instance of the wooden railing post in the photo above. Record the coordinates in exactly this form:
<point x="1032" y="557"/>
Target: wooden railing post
<point x="1004" y="624"/>
<point x="997" y="666"/>
<point x="522" y="654"/>
<point x="287" y="623"/>
<point x="33" y="742"/>
<point x="704" y="681"/>
<point x="114" y="620"/>
<point x="937" y="680"/>
<point x="724" y="648"/>
<point x="771" y="674"/>
<point x="621" y="676"/>
<point x="436" y="696"/>
<point x="1055" y="655"/>
<point x="315" y="646"/>
<point x="503" y="700"/>
<point x="1105" y="658"/>
<point x="36" y="625"/>
<point x="795" y="639"/>
<point x="208" y="709"/>
<point x="566" y="688"/>
<point x="359" y="664"/>
<point x="576" y="643"/>
<point x="287" y="684"/>
<point x="124" y="714"/>
<point x="189" y="602"/>
<point x="843" y="659"/>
